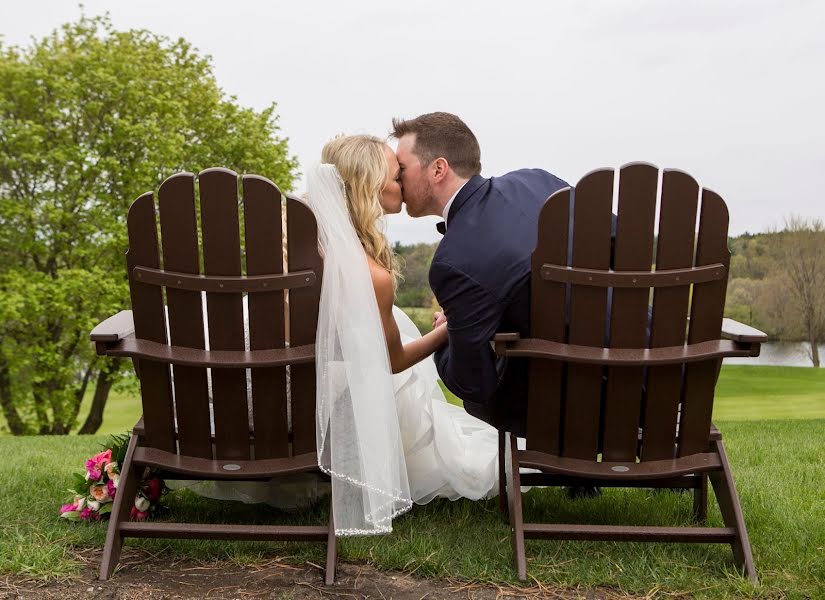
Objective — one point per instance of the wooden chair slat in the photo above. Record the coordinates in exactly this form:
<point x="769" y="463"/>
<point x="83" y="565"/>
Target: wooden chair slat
<point x="264" y="255"/>
<point x="302" y="253"/>
<point x="150" y="323"/>
<point x="629" y="315"/>
<point x="222" y="256"/>
<point x="677" y="224"/>
<point x="546" y="304"/>
<point x="588" y="312"/>
<point x="179" y="236"/>
<point x="706" y="313"/>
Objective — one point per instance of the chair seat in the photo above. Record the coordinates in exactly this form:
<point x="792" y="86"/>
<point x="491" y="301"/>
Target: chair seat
<point x="209" y="469"/>
<point x="655" y="469"/>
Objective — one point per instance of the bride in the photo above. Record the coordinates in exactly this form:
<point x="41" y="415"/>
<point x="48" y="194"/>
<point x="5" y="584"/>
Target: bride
<point x="447" y="452"/>
<point x="386" y="434"/>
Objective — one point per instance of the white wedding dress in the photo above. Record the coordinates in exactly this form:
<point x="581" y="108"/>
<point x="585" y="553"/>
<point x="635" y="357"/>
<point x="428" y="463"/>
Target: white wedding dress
<point x="448" y="452"/>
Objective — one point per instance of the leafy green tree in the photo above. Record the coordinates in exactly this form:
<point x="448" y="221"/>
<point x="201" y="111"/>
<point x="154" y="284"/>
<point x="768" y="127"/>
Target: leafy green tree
<point x="798" y="281"/>
<point x="90" y="118"/>
<point x="414" y="290"/>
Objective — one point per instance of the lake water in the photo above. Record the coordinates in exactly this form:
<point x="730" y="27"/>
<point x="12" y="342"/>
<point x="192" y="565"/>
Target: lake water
<point x="781" y="354"/>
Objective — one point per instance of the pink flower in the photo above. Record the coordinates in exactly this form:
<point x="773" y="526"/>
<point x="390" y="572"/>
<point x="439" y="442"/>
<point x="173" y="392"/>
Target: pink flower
<point x="111" y="489"/>
<point x="86" y="513"/>
<point x="154" y="489"/>
<point x="100" y="493"/>
<point x="112" y="470"/>
<point x="101" y="458"/>
<point x="67" y="508"/>
<point x="139" y="515"/>
<point x="95" y="465"/>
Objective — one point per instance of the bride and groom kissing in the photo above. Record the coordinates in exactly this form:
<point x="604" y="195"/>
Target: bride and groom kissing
<point x="419" y="447"/>
<point x="385" y="433"/>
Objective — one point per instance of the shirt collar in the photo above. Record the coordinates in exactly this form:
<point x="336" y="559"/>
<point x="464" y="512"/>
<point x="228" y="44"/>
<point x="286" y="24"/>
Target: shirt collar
<point x="446" y="212"/>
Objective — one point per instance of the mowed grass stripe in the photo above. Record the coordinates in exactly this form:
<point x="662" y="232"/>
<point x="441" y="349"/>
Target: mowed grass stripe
<point x="743" y="393"/>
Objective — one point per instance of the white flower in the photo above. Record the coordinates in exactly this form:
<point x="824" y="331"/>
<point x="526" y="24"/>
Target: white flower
<point x="141" y="503"/>
<point x="94" y="505"/>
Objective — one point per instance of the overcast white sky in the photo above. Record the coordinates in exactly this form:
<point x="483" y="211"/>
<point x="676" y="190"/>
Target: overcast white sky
<point x="731" y="91"/>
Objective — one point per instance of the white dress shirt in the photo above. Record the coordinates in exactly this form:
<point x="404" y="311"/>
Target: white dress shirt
<point x="450" y="203"/>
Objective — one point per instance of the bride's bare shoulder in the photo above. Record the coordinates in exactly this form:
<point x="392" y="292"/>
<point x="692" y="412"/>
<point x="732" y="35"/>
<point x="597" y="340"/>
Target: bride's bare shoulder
<point x="383" y="284"/>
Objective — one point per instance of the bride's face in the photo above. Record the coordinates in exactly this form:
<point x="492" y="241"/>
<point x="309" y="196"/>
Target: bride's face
<point x="391" y="192"/>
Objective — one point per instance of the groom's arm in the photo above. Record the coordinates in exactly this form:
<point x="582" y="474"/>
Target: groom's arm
<point x="466" y="364"/>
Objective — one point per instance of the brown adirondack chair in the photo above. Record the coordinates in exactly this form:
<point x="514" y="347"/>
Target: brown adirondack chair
<point x="177" y="432"/>
<point x="618" y="397"/>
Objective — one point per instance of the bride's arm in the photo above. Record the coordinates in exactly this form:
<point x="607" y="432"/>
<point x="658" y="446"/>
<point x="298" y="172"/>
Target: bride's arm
<point x="402" y="356"/>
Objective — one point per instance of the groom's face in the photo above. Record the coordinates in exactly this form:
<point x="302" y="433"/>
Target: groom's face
<point x="416" y="187"/>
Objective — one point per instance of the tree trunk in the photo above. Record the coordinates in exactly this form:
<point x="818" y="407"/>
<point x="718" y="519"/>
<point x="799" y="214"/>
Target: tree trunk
<point x="105" y="379"/>
<point x="814" y="352"/>
<point x="81" y="392"/>
<point x="43" y="425"/>
<point x="16" y="425"/>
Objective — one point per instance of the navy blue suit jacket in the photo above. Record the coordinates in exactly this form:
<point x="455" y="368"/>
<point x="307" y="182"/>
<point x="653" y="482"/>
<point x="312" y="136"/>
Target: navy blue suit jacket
<point x="480" y="276"/>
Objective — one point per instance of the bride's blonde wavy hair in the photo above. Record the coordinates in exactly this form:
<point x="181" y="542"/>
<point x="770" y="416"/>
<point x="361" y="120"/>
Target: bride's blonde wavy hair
<point x="361" y="162"/>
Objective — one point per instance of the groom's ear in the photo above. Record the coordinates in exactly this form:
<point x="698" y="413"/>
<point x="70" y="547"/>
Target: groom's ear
<point x="440" y="168"/>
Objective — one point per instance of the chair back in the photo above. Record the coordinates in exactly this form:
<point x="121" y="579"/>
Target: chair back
<point x="660" y="283"/>
<point x="219" y="238"/>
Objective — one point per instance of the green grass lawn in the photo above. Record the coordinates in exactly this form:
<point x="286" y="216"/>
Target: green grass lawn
<point x="779" y="468"/>
<point x="773" y="420"/>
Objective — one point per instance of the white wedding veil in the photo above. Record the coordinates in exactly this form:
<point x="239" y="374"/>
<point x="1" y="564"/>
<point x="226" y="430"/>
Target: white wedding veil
<point x="358" y="435"/>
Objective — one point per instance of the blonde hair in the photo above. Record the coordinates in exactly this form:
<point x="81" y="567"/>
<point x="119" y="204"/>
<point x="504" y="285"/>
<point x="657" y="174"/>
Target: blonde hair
<point x="361" y="162"/>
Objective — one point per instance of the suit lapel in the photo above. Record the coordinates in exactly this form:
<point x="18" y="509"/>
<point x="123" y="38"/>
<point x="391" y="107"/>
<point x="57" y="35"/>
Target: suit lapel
<point x="467" y="192"/>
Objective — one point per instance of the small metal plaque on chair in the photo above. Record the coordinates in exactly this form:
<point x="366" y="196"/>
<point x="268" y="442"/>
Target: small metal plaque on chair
<point x="231" y="467"/>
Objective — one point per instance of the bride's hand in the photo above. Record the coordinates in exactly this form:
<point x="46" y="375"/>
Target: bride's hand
<point x="439" y="318"/>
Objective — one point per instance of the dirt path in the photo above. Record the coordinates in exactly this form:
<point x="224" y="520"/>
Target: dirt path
<point x="145" y="577"/>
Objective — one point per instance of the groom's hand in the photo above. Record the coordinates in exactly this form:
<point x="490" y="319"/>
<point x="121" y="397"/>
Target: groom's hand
<point x="439" y="319"/>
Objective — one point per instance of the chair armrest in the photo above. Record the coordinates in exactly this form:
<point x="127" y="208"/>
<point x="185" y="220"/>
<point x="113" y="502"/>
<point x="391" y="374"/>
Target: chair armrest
<point x="114" y="328"/>
<point x="739" y="332"/>
<point x="499" y="342"/>
<point x="506" y="337"/>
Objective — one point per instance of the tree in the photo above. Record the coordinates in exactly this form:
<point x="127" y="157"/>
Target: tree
<point x="90" y="118"/>
<point x="798" y="281"/>
<point x="743" y="297"/>
<point x="414" y="290"/>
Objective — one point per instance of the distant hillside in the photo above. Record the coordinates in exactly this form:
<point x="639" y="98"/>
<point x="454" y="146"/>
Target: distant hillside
<point x="757" y="292"/>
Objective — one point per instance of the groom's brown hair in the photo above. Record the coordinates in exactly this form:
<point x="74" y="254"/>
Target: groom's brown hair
<point x="441" y="134"/>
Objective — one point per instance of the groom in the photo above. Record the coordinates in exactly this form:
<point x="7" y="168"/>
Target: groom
<point x="480" y="273"/>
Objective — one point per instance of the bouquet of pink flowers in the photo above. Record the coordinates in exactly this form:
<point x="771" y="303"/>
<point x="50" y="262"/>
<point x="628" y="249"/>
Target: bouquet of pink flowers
<point x="94" y="491"/>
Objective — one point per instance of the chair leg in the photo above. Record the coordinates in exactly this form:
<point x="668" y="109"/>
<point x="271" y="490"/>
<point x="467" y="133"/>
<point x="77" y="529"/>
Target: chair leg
<point x="502" y="473"/>
<point x="516" y="517"/>
<point x="332" y="550"/>
<point x="122" y="506"/>
<point x="728" y="499"/>
<point x="700" y="500"/>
